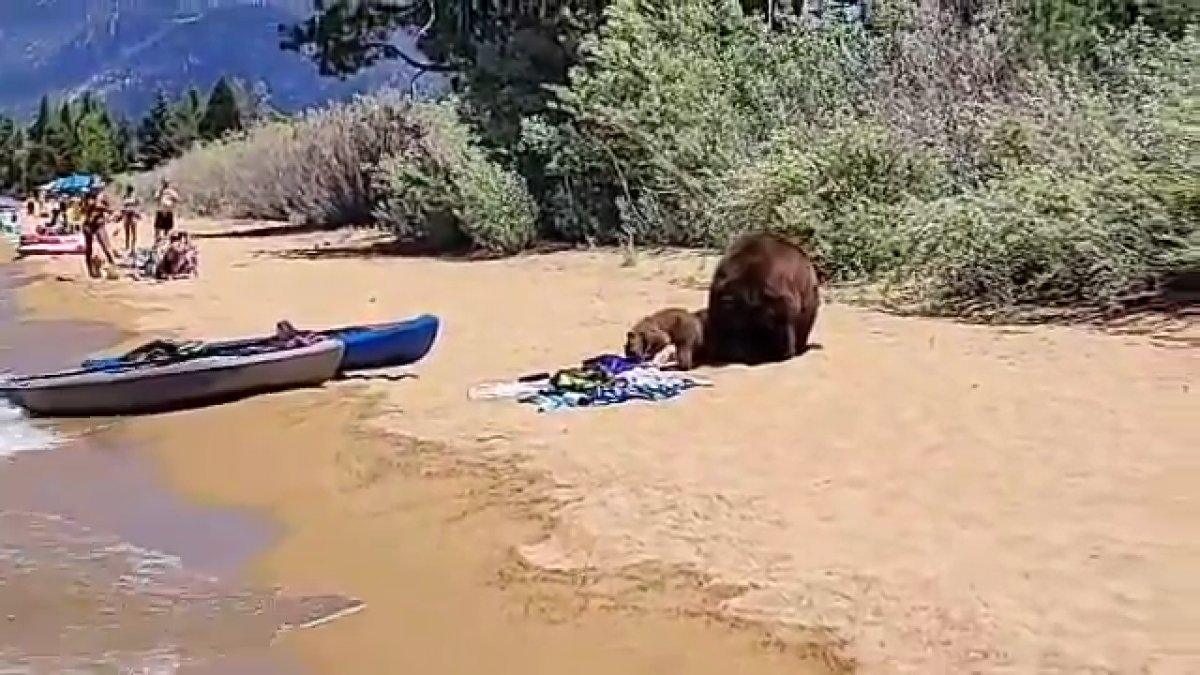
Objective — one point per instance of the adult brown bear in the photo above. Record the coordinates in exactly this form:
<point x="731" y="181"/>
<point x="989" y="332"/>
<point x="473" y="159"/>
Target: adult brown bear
<point x="763" y="301"/>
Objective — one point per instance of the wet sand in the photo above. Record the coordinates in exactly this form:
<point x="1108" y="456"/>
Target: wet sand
<point x="427" y="543"/>
<point x="918" y="496"/>
<point x="77" y="512"/>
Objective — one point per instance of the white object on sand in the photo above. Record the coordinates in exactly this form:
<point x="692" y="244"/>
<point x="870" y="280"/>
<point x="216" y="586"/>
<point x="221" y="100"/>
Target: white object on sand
<point x="497" y="390"/>
<point x="664" y="358"/>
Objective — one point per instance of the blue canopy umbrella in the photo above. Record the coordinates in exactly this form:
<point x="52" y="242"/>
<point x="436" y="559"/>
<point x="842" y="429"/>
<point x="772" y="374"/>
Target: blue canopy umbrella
<point x="75" y="184"/>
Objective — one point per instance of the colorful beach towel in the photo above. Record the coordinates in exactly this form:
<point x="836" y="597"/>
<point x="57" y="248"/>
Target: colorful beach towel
<point x="601" y="381"/>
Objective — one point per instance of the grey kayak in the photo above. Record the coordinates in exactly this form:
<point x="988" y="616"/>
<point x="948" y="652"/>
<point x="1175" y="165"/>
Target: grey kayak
<point x="172" y="386"/>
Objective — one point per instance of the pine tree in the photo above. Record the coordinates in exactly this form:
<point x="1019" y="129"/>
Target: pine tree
<point x="86" y="105"/>
<point x="126" y="139"/>
<point x="37" y="131"/>
<point x="221" y="113"/>
<point x="11" y="149"/>
<point x="60" y="140"/>
<point x="155" y="134"/>
<point x="66" y="118"/>
<point x="40" y="164"/>
<point x="98" y="152"/>
<point x="186" y="120"/>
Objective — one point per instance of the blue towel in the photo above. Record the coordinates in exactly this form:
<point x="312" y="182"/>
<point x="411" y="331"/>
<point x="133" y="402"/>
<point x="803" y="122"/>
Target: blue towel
<point x="611" y="364"/>
<point x="635" y="383"/>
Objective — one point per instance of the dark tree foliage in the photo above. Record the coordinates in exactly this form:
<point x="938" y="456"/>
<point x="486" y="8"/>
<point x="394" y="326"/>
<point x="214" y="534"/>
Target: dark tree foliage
<point x="222" y="113"/>
<point x="155" y="140"/>
<point x="81" y="134"/>
<point x="126" y="138"/>
<point x="185" y="120"/>
<point x="502" y="54"/>
<point x="11" y="160"/>
<point x="68" y="136"/>
<point x="345" y="36"/>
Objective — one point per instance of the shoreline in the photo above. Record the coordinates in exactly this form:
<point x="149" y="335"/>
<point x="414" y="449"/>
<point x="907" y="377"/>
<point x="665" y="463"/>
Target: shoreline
<point x="377" y="488"/>
<point x="863" y="490"/>
<point x="73" y="506"/>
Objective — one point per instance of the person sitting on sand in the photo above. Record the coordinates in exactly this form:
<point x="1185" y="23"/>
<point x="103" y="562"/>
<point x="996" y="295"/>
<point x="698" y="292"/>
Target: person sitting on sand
<point x="179" y="258"/>
<point x="96" y="212"/>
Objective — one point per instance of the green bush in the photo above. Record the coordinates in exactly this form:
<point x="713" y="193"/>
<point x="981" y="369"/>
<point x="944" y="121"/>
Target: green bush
<point x="670" y="97"/>
<point x="443" y="189"/>
<point x="942" y="162"/>
<point x="835" y="191"/>
<point x="1045" y="238"/>
<point x="313" y="169"/>
<point x="415" y="167"/>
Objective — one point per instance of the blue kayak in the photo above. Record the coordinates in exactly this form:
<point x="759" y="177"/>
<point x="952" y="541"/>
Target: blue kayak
<point x="386" y="345"/>
<point x="368" y="347"/>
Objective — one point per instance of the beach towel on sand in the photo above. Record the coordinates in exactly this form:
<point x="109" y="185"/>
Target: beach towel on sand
<point x="602" y="381"/>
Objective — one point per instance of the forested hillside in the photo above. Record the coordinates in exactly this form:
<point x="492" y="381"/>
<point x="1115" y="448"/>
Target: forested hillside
<point x="83" y="135"/>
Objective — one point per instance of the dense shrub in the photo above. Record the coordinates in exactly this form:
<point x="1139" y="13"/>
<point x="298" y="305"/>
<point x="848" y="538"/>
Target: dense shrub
<point x="442" y="188"/>
<point x="670" y="97"/>
<point x="314" y="169"/>
<point x="945" y="162"/>
<point x="412" y="166"/>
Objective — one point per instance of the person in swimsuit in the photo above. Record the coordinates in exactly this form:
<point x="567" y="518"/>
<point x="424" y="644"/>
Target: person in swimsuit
<point x="97" y="211"/>
<point x="76" y="213"/>
<point x="129" y="220"/>
<point x="164" y="217"/>
<point x="58" y="218"/>
<point x="29" y="223"/>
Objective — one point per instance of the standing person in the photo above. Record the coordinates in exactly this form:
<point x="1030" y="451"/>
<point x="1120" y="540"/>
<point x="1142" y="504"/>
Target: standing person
<point x="74" y="215"/>
<point x="164" y="217"/>
<point x="29" y="222"/>
<point x="58" y="218"/>
<point x="96" y="212"/>
<point x="129" y="220"/>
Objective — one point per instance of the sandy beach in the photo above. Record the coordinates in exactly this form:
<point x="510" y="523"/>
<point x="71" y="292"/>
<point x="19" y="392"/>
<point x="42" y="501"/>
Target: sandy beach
<point x="917" y="496"/>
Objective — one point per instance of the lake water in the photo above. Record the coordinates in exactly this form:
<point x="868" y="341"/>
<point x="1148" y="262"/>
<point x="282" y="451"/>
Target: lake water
<point x="102" y="567"/>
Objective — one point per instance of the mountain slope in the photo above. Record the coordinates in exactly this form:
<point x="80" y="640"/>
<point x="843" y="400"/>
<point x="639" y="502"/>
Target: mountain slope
<point x="124" y="50"/>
